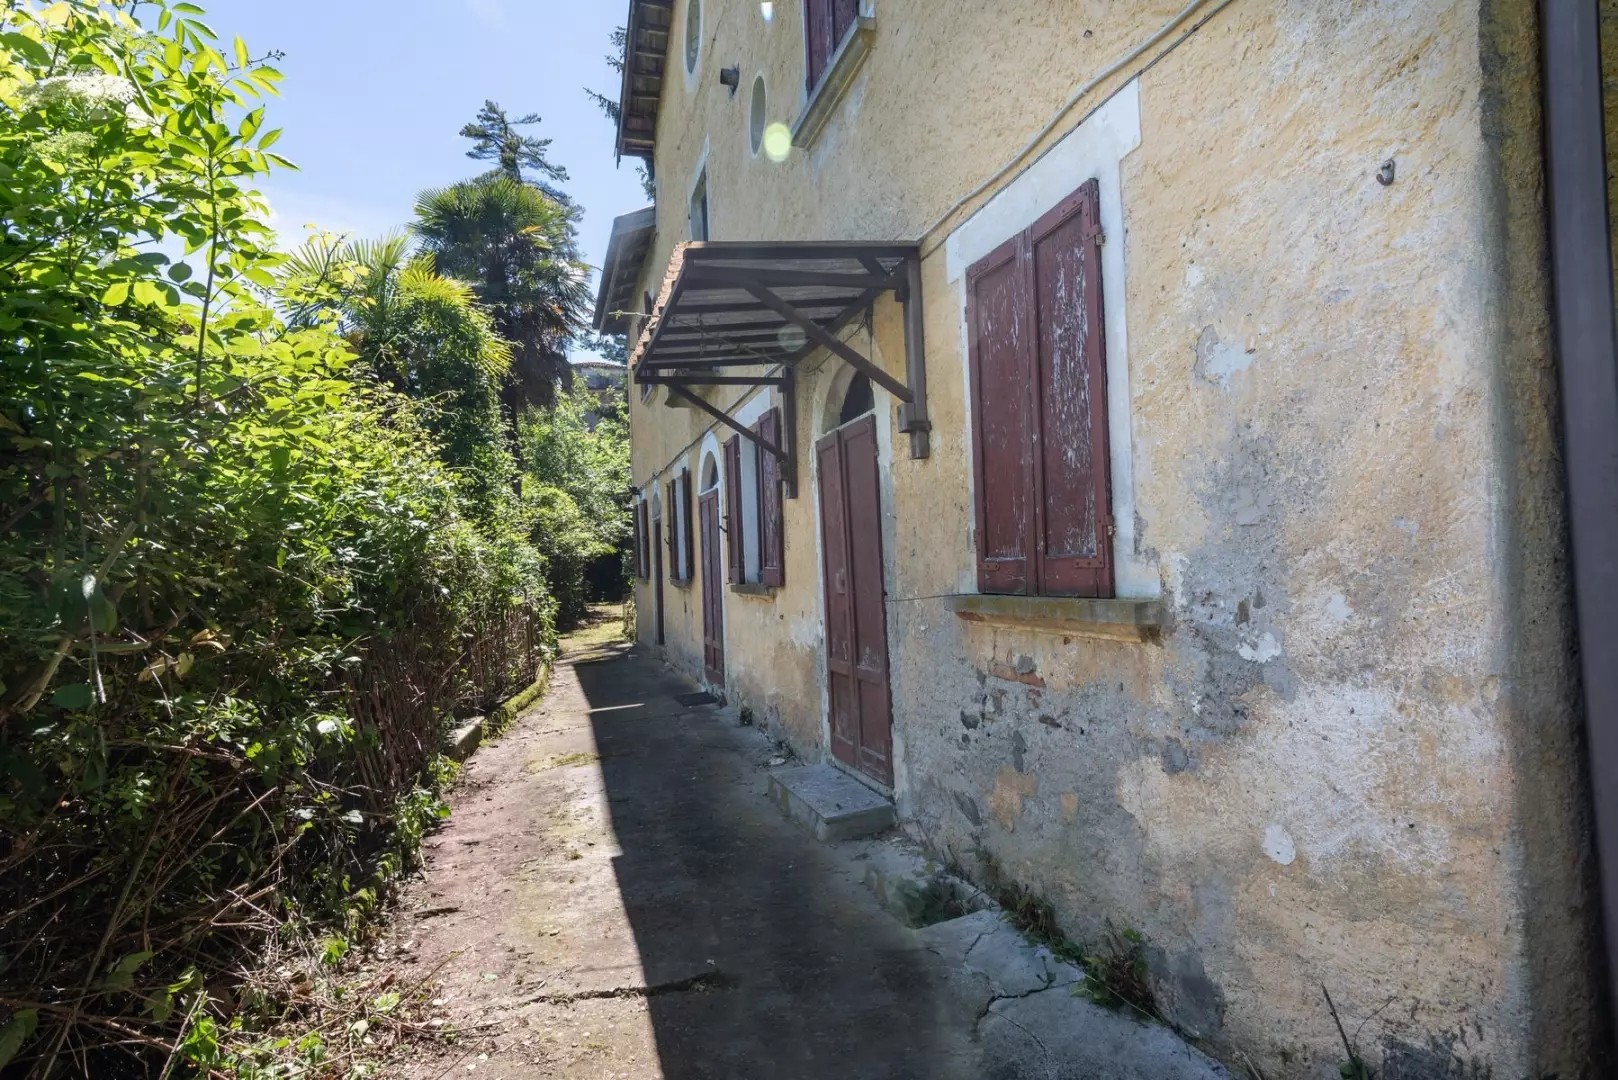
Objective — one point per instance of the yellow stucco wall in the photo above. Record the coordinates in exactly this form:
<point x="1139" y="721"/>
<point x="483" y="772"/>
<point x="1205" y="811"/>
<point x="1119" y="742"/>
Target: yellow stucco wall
<point x="1350" y="760"/>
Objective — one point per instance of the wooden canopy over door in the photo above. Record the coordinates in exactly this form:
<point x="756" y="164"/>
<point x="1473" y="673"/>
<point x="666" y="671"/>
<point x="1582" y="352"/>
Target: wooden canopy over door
<point x="858" y="693"/>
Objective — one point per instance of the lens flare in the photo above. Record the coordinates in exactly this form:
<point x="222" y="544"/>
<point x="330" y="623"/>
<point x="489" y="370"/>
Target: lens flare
<point x="777" y="142"/>
<point x="791" y="338"/>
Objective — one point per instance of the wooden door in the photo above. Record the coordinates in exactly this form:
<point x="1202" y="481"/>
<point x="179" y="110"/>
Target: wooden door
<point x="858" y="693"/>
<point x="713" y="591"/>
<point x="657" y="579"/>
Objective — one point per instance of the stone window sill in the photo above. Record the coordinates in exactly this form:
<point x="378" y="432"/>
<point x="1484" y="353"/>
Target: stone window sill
<point x="752" y="588"/>
<point x="680" y="583"/>
<point x="1113" y="620"/>
<point x="823" y="99"/>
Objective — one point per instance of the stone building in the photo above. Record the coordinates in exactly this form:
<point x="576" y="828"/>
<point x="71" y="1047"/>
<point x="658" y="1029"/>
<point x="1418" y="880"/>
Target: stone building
<point x="1125" y="436"/>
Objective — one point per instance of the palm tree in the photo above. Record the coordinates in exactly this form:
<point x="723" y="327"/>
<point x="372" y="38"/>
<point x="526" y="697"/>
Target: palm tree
<point x="514" y="244"/>
<point x="424" y="334"/>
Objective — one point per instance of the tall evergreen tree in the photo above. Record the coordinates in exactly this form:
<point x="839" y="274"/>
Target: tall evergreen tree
<point x="495" y="138"/>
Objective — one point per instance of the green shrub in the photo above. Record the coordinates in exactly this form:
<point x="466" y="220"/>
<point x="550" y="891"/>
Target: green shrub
<point x="576" y="491"/>
<point x="242" y="583"/>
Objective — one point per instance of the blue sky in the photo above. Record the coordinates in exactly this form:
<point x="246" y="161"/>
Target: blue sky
<point x="376" y="91"/>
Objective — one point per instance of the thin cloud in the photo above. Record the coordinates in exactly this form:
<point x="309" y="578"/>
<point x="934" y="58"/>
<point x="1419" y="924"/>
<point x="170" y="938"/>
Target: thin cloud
<point x="488" y="12"/>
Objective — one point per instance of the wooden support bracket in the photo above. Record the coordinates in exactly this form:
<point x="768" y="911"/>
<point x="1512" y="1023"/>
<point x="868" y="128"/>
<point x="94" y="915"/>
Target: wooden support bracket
<point x="826" y="340"/>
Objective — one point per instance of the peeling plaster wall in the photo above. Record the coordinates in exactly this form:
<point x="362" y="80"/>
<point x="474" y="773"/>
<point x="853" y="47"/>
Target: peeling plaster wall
<point x="1351" y="759"/>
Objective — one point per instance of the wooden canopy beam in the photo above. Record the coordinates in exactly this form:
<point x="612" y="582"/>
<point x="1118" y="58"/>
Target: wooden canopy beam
<point x="826" y="340"/>
<point x="783" y="456"/>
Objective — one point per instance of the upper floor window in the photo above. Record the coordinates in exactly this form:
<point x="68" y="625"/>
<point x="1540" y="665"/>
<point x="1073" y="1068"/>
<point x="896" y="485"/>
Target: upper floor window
<point x="1039" y="407"/>
<point x="826" y="24"/>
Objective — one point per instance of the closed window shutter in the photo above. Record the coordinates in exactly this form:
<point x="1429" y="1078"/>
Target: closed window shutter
<point x="646" y="540"/>
<point x="843" y="15"/>
<point x="734" y="546"/>
<point x="772" y="534"/>
<point x="634" y="540"/>
<point x="643" y="551"/>
<point x="671" y="527"/>
<point x="817" y="28"/>
<point x="688" y="553"/>
<point x="826" y="23"/>
<point x="1000" y="350"/>
<point x="1073" y="512"/>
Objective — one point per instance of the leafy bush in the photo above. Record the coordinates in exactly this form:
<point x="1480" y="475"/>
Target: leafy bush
<point x="577" y="460"/>
<point x="242" y="583"/>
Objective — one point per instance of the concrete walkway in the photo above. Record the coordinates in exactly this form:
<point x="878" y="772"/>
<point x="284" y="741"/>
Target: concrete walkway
<point x="615" y="896"/>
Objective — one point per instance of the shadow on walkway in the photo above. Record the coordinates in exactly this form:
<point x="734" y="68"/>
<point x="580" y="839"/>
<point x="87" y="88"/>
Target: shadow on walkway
<point x="763" y="953"/>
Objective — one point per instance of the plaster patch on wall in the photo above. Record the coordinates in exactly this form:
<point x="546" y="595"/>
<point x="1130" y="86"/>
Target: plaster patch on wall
<point x="1337" y="608"/>
<point x="1397" y="788"/>
<point x="1278" y="845"/>
<point x="1010" y="789"/>
<point x="1218" y="360"/>
<point x="805" y="632"/>
<point x="1262" y="650"/>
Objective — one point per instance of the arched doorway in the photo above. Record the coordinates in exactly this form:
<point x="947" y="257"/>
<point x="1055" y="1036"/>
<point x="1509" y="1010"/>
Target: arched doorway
<point x="858" y="695"/>
<point x="858" y="399"/>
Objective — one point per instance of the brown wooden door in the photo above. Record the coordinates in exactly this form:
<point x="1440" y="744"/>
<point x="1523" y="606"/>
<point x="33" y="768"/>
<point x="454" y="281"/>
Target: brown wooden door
<point x="858" y="694"/>
<point x="657" y="579"/>
<point x="713" y="591"/>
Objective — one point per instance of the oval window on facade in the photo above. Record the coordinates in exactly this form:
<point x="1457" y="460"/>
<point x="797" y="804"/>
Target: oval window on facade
<point x="693" y="33"/>
<point x="756" y="118"/>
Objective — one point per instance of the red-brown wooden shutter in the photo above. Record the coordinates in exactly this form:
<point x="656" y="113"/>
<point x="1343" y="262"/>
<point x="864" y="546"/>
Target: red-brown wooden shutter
<point x="645" y="543"/>
<point x="999" y="348"/>
<point x="825" y="24"/>
<point x="817" y="31"/>
<point x="689" y="555"/>
<point x="671" y="526"/>
<point x="843" y="15"/>
<point x="735" y="547"/>
<point x="1073" y="511"/>
<point x="634" y="537"/>
<point x="642" y="555"/>
<point x="771" y="532"/>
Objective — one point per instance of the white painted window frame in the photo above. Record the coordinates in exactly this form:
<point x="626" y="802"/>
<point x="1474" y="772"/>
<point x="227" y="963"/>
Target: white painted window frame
<point x="1096" y="148"/>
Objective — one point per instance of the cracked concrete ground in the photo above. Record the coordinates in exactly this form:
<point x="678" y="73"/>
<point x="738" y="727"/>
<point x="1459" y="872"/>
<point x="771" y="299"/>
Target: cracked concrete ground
<point x="615" y="896"/>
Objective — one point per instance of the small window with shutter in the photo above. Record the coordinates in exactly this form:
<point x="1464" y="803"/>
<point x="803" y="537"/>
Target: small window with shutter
<point x="825" y="24"/>
<point x="754" y="514"/>
<point x="678" y="500"/>
<point x="735" y="543"/>
<point x="772" y="539"/>
<point x="1039" y="408"/>
<point x="643" y="551"/>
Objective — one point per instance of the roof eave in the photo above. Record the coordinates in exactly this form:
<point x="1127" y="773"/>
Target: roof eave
<point x="632" y="144"/>
<point x="629" y="232"/>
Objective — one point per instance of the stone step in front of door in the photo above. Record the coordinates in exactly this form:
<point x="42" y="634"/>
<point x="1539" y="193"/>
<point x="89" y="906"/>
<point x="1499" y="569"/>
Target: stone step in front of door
<point x="830" y="803"/>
